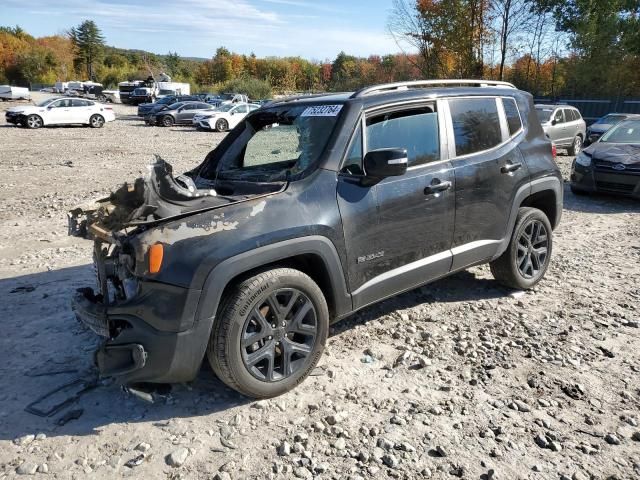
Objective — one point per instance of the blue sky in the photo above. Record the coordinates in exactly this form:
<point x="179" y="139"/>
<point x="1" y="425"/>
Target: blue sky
<point x="195" y="28"/>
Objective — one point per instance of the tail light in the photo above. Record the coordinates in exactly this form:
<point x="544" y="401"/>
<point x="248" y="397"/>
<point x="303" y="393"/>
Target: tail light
<point x="554" y="150"/>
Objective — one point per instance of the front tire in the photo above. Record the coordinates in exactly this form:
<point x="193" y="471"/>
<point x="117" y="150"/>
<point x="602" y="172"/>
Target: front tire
<point x="167" y="121"/>
<point x="222" y="125"/>
<point x="269" y="333"/>
<point x="526" y="259"/>
<point x="576" y="146"/>
<point x="96" y="121"/>
<point x="33" y="122"/>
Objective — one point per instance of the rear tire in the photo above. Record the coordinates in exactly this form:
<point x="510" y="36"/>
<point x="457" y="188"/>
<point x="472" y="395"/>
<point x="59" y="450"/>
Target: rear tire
<point x="96" y="121"/>
<point x="167" y="121"/>
<point x="575" y="147"/>
<point x="222" y="125"/>
<point x="269" y="333"/>
<point x="526" y="259"/>
<point x="33" y="122"/>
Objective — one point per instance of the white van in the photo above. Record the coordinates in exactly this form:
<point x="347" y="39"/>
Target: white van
<point x="8" y="92"/>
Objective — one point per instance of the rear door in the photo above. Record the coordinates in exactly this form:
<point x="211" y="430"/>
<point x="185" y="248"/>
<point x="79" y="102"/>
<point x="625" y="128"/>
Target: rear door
<point x="489" y="169"/>
<point x="80" y="110"/>
<point x="398" y="232"/>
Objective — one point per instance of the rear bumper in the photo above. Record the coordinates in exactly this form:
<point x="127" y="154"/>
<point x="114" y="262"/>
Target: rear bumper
<point x="139" y="346"/>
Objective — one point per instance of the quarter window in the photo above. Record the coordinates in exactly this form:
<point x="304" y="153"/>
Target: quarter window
<point x="476" y="125"/>
<point x="414" y="130"/>
<point x="513" y="115"/>
<point x="353" y="163"/>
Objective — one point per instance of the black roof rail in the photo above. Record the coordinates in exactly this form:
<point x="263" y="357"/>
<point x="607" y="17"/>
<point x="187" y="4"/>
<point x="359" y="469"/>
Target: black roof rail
<point x="390" y="87"/>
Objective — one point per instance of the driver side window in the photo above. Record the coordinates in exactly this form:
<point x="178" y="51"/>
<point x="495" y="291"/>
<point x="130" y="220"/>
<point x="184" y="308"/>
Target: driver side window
<point x="559" y="117"/>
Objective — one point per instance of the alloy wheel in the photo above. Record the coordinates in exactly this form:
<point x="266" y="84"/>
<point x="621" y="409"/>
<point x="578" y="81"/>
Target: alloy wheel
<point x="279" y="335"/>
<point x="533" y="248"/>
<point x="34" y="121"/>
<point x="97" y="121"/>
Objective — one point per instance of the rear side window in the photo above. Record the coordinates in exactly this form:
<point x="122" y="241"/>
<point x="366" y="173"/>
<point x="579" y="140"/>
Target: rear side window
<point x="513" y="115"/>
<point x="476" y="125"/>
<point x="414" y="130"/>
<point x="569" y="115"/>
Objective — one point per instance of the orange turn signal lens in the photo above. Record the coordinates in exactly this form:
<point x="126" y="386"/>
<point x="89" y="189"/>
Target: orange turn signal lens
<point x="156" y="252"/>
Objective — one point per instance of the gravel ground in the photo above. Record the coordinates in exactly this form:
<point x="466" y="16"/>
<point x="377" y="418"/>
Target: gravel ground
<point x="459" y="379"/>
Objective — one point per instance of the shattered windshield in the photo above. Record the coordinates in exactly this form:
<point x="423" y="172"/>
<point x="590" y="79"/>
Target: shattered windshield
<point x="275" y="144"/>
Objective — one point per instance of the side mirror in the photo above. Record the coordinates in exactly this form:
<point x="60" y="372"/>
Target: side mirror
<point x="383" y="163"/>
<point x="554" y="121"/>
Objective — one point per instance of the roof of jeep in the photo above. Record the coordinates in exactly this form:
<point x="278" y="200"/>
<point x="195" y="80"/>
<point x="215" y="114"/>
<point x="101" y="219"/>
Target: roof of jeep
<point x="394" y="96"/>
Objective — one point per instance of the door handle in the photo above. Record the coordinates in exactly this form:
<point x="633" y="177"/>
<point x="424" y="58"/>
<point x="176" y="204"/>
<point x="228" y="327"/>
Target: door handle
<point x="437" y="187"/>
<point x="510" y="168"/>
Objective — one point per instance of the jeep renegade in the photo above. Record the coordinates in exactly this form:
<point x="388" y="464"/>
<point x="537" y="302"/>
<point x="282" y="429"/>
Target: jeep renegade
<point x="310" y="209"/>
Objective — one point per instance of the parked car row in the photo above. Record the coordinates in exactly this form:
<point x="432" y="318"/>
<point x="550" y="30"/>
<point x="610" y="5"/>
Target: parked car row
<point x="202" y="115"/>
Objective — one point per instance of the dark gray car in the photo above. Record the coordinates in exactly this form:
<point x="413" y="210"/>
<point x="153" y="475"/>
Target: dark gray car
<point x="564" y="126"/>
<point x="180" y="113"/>
<point x="612" y="164"/>
<point x="602" y="125"/>
<point x="310" y="209"/>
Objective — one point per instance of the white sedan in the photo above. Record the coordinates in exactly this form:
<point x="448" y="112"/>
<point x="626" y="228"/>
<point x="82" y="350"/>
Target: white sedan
<point x="224" y="117"/>
<point x="61" y="111"/>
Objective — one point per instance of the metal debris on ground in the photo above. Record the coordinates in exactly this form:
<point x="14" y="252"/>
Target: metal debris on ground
<point x="50" y="403"/>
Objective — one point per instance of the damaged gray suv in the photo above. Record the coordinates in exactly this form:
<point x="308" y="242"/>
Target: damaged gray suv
<point x="309" y="210"/>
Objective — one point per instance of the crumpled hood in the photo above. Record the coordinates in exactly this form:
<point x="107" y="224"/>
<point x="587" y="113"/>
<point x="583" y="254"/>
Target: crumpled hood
<point x="157" y="196"/>
<point x="627" y="154"/>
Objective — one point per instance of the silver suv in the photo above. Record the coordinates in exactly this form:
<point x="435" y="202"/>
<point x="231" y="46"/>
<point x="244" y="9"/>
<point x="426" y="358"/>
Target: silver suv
<point x="564" y="126"/>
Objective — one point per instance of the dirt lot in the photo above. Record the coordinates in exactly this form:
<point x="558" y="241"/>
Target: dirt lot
<point x="460" y="379"/>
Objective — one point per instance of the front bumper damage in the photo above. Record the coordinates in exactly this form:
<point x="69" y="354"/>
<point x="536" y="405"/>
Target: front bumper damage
<point x="148" y="326"/>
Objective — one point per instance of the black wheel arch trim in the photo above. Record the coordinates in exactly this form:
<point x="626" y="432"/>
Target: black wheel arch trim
<point x="195" y="340"/>
<point x="552" y="183"/>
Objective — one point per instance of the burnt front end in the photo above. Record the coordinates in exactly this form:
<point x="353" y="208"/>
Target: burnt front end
<point x="148" y="325"/>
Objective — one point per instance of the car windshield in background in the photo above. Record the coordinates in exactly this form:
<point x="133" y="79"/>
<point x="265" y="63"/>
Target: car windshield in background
<point x="166" y="92"/>
<point x="165" y="100"/>
<point x="46" y="102"/>
<point x="225" y="108"/>
<point x="544" y="114"/>
<point x="276" y="144"/>
<point x="176" y="106"/>
<point x="610" y="120"/>
<point x="627" y="132"/>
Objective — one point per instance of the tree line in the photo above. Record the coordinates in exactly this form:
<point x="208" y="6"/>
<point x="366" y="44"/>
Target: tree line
<point x="547" y="47"/>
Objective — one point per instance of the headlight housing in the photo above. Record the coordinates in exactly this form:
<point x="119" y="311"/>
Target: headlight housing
<point x="583" y="159"/>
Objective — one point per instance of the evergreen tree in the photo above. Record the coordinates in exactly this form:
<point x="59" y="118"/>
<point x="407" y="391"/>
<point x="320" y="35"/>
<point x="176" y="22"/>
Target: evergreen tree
<point x="89" y="43"/>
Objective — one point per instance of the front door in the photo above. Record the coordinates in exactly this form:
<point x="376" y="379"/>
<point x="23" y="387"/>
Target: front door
<point x="60" y="112"/>
<point x="398" y="232"/>
<point x="236" y="115"/>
